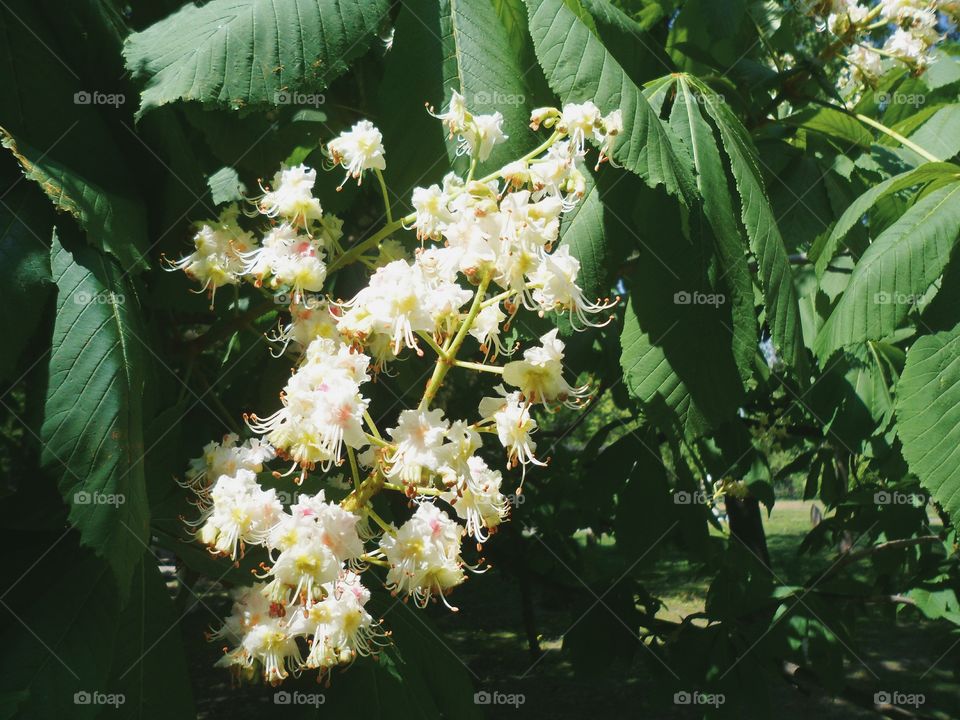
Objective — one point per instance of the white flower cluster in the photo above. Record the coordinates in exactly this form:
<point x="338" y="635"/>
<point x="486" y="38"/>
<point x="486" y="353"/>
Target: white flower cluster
<point x="488" y="249"/>
<point x="912" y="30"/>
<point x="312" y="592"/>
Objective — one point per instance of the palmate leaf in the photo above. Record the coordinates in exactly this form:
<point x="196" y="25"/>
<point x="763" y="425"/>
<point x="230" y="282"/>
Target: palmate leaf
<point x="894" y="273"/>
<point x="248" y="52"/>
<point x="928" y="415"/>
<point x="92" y="431"/>
<point x="578" y="67"/>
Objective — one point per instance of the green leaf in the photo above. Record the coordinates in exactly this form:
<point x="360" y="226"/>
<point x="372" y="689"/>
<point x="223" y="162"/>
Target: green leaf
<point x="712" y="183"/>
<point x="241" y="53"/>
<point x="834" y="124"/>
<point x="594" y="232"/>
<point x="72" y="634"/>
<point x="578" y="67"/>
<point x="466" y="48"/>
<point x="894" y="273"/>
<point x="92" y="430"/>
<point x="225" y="186"/>
<point x="939" y="135"/>
<point x="56" y="129"/>
<point x="822" y="252"/>
<point x="776" y="277"/>
<point x="664" y="340"/>
<point x="928" y="415"/>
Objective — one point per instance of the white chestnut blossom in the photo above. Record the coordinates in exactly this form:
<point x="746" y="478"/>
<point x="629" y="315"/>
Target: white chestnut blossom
<point x="358" y="149"/>
<point x="226" y="458"/>
<point x="476" y="498"/>
<point x="418" y="438"/>
<point x="322" y="407"/>
<point x="539" y="376"/>
<point x="310" y="319"/>
<point x="424" y="555"/>
<point x="240" y="512"/>
<point x="555" y="288"/>
<point x="288" y="259"/>
<point x="219" y="249"/>
<point x="510" y="414"/>
<point x="290" y="196"/>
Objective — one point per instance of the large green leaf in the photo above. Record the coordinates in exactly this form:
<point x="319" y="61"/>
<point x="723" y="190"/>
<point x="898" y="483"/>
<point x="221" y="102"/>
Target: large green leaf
<point x="835" y="124"/>
<point x="822" y="252"/>
<point x="441" y="46"/>
<point x="92" y="430"/>
<point x="64" y="142"/>
<point x="578" y="67"/>
<point x="894" y="273"/>
<point x="250" y="52"/>
<point x="596" y="234"/>
<point x="675" y="319"/>
<point x="928" y="415"/>
<point x="693" y="129"/>
<point x="775" y="275"/>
